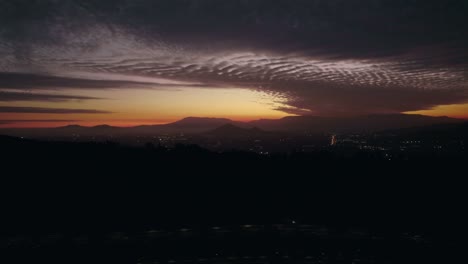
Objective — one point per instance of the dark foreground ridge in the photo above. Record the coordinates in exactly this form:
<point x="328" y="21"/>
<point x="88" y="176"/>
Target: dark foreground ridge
<point x="187" y="204"/>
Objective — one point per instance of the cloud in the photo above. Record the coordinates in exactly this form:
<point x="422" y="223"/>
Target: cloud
<point x="31" y="81"/>
<point x="14" y="121"/>
<point x="345" y="101"/>
<point x="294" y="110"/>
<point x="42" y="110"/>
<point x="7" y="96"/>
<point x="328" y="57"/>
<point x="358" y="28"/>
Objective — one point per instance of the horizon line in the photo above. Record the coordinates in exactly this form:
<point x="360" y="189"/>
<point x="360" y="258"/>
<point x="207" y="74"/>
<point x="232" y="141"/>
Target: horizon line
<point x="198" y="117"/>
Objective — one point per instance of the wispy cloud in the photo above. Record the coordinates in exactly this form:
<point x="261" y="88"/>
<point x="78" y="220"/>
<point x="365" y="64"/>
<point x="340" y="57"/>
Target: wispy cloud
<point x="15" y="121"/>
<point x="7" y="96"/>
<point x="32" y="81"/>
<point x="43" y="110"/>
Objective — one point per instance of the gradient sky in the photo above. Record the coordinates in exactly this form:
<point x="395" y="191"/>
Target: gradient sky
<point x="130" y="62"/>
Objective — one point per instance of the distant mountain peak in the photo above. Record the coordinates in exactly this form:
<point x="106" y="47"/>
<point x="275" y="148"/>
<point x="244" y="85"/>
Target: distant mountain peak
<point x="227" y="127"/>
<point x="198" y="119"/>
<point x="104" y="126"/>
<point x="364" y="123"/>
<point x="201" y="121"/>
<point x="230" y="130"/>
<point x="71" y="126"/>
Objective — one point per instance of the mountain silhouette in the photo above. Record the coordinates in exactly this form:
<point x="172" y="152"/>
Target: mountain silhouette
<point x="200" y="121"/>
<point x="289" y="124"/>
<point x="71" y="127"/>
<point x="186" y="125"/>
<point x="230" y="130"/>
<point x="370" y="123"/>
<point x="448" y="131"/>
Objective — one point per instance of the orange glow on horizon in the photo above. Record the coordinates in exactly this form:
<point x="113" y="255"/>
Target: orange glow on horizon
<point x="455" y="111"/>
<point x="133" y="107"/>
<point x="121" y="123"/>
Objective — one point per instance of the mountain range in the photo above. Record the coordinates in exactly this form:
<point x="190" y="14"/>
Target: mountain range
<point x="219" y="126"/>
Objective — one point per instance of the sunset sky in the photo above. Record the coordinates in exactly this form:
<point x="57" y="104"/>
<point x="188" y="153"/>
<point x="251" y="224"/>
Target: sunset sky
<point x="126" y="63"/>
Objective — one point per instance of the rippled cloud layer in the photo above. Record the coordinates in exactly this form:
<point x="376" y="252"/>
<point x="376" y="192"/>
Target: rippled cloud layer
<point x="328" y="57"/>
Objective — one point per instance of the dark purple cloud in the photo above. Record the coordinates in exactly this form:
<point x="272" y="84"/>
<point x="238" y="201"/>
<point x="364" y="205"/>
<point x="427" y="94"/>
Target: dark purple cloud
<point x="30" y="81"/>
<point x="6" y="96"/>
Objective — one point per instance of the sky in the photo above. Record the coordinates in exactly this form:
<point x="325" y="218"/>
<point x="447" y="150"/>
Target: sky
<point x="131" y="62"/>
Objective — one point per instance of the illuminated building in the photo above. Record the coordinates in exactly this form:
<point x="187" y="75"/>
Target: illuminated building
<point x="333" y="140"/>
